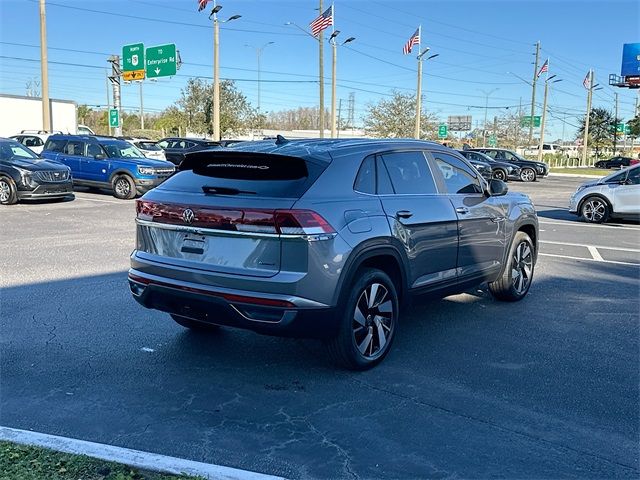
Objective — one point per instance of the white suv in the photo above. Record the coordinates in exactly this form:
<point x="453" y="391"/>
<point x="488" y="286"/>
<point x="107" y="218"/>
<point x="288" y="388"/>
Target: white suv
<point x="33" y="139"/>
<point x="616" y="195"/>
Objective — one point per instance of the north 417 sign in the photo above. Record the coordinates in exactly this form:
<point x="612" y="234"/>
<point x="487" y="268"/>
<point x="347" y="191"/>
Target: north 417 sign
<point x="161" y="61"/>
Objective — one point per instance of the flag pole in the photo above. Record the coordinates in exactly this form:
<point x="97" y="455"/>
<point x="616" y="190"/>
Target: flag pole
<point x="321" y="76"/>
<point x="416" y="132"/>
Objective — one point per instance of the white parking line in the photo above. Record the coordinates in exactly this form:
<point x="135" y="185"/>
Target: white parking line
<point x="588" y="225"/>
<point x="126" y="456"/>
<point x="588" y="259"/>
<point x="595" y="253"/>
<point x="569" y="244"/>
<point x="99" y="200"/>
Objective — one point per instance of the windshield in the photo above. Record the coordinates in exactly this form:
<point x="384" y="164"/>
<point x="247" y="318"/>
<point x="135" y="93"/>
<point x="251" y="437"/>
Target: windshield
<point x="10" y="150"/>
<point x="148" y="146"/>
<point x="121" y="150"/>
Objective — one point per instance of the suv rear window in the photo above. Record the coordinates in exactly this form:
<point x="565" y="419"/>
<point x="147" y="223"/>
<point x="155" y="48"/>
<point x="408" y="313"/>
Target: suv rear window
<point x="245" y="173"/>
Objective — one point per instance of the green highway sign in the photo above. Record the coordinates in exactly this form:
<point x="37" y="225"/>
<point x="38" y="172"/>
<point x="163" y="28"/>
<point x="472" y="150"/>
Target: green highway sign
<point x="133" y="57"/>
<point x="627" y="129"/>
<point x="442" y="131"/>
<point x="114" y="117"/>
<point x="161" y="61"/>
<point x="620" y="128"/>
<point x="526" y="121"/>
<point x="493" y="141"/>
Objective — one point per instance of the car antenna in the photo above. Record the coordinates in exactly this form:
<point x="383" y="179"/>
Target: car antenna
<point x="280" y="140"/>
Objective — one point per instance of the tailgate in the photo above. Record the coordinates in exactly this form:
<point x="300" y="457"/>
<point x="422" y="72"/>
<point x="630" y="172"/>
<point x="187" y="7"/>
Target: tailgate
<point x="225" y="215"/>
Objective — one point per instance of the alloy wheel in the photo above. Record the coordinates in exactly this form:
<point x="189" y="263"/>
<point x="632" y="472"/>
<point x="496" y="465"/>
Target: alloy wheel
<point x="122" y="187"/>
<point x="522" y="267"/>
<point x="5" y="191"/>
<point x="373" y="321"/>
<point x="594" y="210"/>
<point x="527" y="175"/>
<point x="499" y="175"/>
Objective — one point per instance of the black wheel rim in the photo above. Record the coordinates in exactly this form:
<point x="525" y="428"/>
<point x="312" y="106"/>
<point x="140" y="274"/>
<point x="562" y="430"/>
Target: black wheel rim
<point x="522" y="267"/>
<point x="594" y="210"/>
<point x="499" y="175"/>
<point x="5" y="191"/>
<point x="373" y="321"/>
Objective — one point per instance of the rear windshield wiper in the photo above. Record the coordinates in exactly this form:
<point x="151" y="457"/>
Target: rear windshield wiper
<point x="224" y="191"/>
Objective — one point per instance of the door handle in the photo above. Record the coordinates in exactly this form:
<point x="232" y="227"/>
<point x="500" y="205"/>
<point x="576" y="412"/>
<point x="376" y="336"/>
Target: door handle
<point x="498" y="219"/>
<point x="404" y="214"/>
<point x="462" y="210"/>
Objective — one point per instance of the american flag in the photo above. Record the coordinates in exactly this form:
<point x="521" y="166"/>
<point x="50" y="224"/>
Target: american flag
<point x="323" y="21"/>
<point x="544" y="69"/>
<point x="414" y="40"/>
<point x="202" y="4"/>
<point x="586" y="83"/>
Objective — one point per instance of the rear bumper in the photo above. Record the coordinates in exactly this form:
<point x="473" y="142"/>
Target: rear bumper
<point x="281" y="315"/>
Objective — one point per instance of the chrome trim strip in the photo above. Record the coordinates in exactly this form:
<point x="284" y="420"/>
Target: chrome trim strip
<point x="227" y="233"/>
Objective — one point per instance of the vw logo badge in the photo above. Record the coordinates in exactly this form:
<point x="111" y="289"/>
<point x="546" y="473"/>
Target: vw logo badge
<point x="188" y="216"/>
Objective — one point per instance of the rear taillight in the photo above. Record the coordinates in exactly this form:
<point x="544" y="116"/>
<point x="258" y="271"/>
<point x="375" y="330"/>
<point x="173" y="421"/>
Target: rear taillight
<point x="283" y="222"/>
<point x="301" y="222"/>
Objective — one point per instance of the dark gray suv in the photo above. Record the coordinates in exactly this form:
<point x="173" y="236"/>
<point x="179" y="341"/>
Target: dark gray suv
<point x="326" y="239"/>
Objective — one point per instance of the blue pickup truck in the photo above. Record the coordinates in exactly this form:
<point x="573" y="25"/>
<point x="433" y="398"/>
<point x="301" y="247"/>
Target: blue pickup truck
<point x="106" y="162"/>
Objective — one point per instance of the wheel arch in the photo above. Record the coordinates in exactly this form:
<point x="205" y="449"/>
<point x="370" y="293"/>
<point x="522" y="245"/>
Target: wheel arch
<point x="597" y="195"/>
<point x="387" y="258"/>
<point x="119" y="172"/>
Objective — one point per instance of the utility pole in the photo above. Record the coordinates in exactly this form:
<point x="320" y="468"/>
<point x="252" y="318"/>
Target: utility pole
<point x="106" y="81"/>
<point x="115" y="82"/>
<point x="44" y="69"/>
<point x="544" y="119"/>
<point x="586" y="120"/>
<point x="321" y="75"/>
<point x="339" y="117"/>
<point x="141" y="108"/>
<point x="615" y="125"/>
<point x="533" y="92"/>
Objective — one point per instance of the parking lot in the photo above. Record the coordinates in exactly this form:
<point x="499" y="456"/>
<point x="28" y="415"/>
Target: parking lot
<point x="545" y="388"/>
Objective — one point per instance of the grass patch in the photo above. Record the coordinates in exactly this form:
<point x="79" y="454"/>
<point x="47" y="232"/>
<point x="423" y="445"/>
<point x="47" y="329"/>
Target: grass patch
<point x="597" y="172"/>
<point x="34" y="463"/>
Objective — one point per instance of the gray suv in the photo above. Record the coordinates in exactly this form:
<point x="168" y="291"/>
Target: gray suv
<point x="326" y="239"/>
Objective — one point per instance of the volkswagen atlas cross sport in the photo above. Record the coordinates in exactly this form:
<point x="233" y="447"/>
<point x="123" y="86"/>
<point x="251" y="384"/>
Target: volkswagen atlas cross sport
<point x="326" y="238"/>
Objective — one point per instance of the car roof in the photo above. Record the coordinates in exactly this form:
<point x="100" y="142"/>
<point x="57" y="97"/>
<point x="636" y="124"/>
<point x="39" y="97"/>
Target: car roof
<point x="323" y="147"/>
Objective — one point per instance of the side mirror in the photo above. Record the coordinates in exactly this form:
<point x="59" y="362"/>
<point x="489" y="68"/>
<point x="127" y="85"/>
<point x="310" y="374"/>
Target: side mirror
<point x="100" y="156"/>
<point x="497" y="188"/>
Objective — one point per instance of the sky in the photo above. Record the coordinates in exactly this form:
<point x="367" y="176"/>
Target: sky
<point x="482" y="47"/>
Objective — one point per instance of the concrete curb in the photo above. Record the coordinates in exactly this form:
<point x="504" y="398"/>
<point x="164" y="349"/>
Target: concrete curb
<point x="576" y="175"/>
<point x="132" y="458"/>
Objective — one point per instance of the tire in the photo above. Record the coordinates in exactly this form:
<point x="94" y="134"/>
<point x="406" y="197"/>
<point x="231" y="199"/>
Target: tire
<point x="516" y="278"/>
<point x="124" y="187"/>
<point x="8" y="193"/>
<point x="500" y="175"/>
<point x="595" y="210"/>
<point x="194" y="324"/>
<point x="367" y="328"/>
<point x="528" y="175"/>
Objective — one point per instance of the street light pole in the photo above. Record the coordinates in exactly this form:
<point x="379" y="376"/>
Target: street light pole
<point x="544" y="115"/>
<point x="586" y="120"/>
<point x="417" y="129"/>
<point x="216" y="67"/>
<point x="486" y="108"/>
<point x="334" y="48"/>
<point x="533" y="92"/>
<point x="321" y="76"/>
<point x="44" y="69"/>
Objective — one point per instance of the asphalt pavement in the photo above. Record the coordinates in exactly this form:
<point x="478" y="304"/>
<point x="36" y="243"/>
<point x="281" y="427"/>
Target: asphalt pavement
<point x="543" y="388"/>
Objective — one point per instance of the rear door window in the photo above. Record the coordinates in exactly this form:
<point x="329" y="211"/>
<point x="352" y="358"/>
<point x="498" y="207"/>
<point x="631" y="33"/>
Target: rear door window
<point x="55" y="144"/>
<point x="409" y="173"/>
<point x="74" y="147"/>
